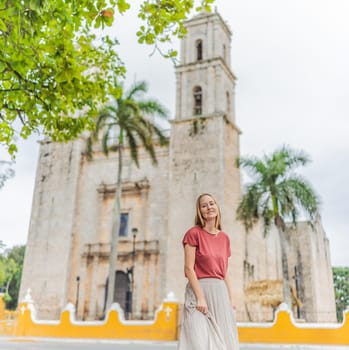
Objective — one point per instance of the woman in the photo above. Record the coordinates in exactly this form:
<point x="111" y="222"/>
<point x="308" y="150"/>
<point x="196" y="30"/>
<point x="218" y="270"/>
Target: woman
<point x="208" y="315"/>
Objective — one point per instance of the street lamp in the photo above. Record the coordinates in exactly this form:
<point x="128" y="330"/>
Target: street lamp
<point x="134" y="234"/>
<point x="296" y="281"/>
<point x="77" y="295"/>
<point x="130" y="271"/>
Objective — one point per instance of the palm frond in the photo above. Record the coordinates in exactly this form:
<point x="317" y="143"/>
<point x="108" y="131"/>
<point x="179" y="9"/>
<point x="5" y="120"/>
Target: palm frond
<point x="286" y="201"/>
<point x="163" y="139"/>
<point x="132" y="107"/>
<point x="267" y="215"/>
<point x="102" y="119"/>
<point x="152" y="107"/>
<point x="248" y="209"/>
<point x="105" y="140"/>
<point x="132" y="146"/>
<point x="291" y="158"/>
<point x="112" y="111"/>
<point x="136" y="89"/>
<point x="145" y="133"/>
<point x="304" y="195"/>
<point x="254" y="166"/>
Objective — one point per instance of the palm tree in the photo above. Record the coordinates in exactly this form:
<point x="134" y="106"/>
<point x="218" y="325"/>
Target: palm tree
<point x="275" y="195"/>
<point x="127" y="117"/>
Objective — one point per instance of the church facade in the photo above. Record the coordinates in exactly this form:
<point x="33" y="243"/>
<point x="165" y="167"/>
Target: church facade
<point x="68" y="244"/>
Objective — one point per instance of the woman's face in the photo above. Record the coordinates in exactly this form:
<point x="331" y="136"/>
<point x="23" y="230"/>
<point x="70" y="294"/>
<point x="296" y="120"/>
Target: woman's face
<point x="208" y="208"/>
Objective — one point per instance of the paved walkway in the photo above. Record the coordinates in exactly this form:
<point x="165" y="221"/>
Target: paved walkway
<point x="13" y="343"/>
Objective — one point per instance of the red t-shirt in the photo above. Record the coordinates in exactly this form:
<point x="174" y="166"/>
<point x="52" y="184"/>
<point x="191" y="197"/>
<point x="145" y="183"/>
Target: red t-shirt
<point x="212" y="252"/>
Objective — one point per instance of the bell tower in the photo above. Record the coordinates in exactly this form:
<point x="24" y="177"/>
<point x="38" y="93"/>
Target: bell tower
<point x="205" y="82"/>
<point x="204" y="145"/>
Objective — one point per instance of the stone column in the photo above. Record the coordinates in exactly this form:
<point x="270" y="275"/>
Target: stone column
<point x="94" y="278"/>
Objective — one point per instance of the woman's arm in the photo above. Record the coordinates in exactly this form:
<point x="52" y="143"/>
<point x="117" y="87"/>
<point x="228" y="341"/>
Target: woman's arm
<point x="228" y="283"/>
<point x="189" y="261"/>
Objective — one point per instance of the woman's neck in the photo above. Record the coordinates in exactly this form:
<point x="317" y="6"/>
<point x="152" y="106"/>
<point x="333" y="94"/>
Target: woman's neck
<point x="210" y="226"/>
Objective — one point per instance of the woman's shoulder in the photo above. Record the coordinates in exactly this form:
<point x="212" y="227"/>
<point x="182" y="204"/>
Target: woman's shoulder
<point x="224" y="234"/>
<point x="193" y="230"/>
<point x="192" y="236"/>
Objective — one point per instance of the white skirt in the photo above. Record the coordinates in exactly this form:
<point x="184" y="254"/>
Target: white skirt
<point x="217" y="329"/>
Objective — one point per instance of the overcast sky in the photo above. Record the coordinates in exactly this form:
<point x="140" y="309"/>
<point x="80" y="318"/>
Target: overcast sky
<point x="291" y="60"/>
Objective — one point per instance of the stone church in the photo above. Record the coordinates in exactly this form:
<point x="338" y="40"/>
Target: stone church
<point x="69" y="236"/>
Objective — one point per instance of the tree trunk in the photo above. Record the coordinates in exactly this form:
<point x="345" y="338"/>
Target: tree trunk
<point x="8" y="285"/>
<point x="115" y="233"/>
<point x="285" y="277"/>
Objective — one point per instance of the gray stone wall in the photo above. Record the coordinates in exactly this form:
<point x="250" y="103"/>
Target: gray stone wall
<point x="47" y="259"/>
<point x="309" y="257"/>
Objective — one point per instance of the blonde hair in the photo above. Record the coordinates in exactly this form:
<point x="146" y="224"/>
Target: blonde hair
<point x="199" y="220"/>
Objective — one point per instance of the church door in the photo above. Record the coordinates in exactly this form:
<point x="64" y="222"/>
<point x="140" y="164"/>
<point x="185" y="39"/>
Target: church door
<point x="121" y="288"/>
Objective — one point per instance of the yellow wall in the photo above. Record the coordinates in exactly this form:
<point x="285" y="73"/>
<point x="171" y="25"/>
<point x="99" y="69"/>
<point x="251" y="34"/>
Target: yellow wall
<point x="7" y="319"/>
<point x="285" y="331"/>
<point x="165" y="327"/>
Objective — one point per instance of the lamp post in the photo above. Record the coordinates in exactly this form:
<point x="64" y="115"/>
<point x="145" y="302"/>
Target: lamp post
<point x="77" y="295"/>
<point x="130" y="271"/>
<point x="296" y="281"/>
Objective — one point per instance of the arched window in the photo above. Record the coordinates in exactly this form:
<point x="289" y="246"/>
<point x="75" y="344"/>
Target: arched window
<point x="197" y="94"/>
<point x="198" y="45"/>
<point x="224" y="53"/>
<point x="123" y="231"/>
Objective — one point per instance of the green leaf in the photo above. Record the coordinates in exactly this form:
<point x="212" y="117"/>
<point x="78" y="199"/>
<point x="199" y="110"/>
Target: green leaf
<point x="3" y="25"/>
<point x="47" y="53"/>
<point x="123" y="6"/>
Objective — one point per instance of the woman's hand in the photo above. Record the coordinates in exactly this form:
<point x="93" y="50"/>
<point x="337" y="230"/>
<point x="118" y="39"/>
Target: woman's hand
<point x="201" y="306"/>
